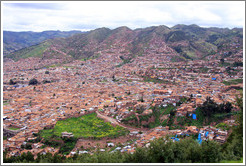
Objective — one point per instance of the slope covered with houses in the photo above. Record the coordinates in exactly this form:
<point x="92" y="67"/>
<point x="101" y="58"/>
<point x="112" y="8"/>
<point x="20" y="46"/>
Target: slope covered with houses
<point x="152" y="82"/>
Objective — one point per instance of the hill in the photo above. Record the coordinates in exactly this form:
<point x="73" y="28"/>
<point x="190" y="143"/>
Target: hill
<point x="179" y="43"/>
<point x="13" y="41"/>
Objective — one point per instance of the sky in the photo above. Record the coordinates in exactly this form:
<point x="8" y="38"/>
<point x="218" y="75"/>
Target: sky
<point x="89" y="15"/>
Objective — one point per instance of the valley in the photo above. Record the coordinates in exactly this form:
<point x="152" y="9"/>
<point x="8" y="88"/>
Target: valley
<point x="140" y="84"/>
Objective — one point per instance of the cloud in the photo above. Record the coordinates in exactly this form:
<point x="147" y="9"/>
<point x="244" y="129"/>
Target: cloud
<point x="46" y="6"/>
<point x="112" y="14"/>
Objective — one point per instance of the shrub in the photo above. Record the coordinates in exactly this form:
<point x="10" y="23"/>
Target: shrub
<point x="11" y="82"/>
<point x="33" y="81"/>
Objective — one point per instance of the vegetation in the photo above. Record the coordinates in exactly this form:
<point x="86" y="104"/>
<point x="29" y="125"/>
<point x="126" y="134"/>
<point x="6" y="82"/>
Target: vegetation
<point x="33" y="81"/>
<point x="68" y="145"/>
<point x="13" y="128"/>
<point x="17" y="40"/>
<point x="160" y="151"/>
<point x="33" y="51"/>
<point x="210" y="110"/>
<point x="125" y="61"/>
<point x="87" y="126"/>
<point x="11" y="82"/>
<point x="232" y="161"/>
<point x="232" y="82"/>
<point x="184" y="151"/>
<point x="158" y="112"/>
<point x="46" y="81"/>
<point x="223" y="126"/>
<point x="236" y="64"/>
<point x="155" y="80"/>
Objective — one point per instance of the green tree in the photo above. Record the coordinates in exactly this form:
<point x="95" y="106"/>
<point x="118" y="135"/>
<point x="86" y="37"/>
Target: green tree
<point x="33" y="81"/>
<point x="211" y="152"/>
<point x="11" y="82"/>
<point x="209" y="107"/>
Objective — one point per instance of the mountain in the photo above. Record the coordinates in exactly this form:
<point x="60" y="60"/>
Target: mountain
<point x="13" y="41"/>
<point x="181" y="42"/>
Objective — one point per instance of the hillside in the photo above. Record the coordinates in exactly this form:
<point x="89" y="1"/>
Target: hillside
<point x="179" y="43"/>
<point x="13" y="41"/>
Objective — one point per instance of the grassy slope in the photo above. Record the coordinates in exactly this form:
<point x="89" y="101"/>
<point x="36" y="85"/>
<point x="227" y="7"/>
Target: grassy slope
<point x="85" y="126"/>
<point x="33" y="51"/>
<point x="232" y="82"/>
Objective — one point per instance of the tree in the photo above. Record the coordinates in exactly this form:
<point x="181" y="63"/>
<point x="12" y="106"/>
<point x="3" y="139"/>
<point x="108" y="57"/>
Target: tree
<point x="233" y="148"/>
<point x="228" y="107"/>
<point x="208" y="108"/>
<point x="33" y="81"/>
<point x="222" y="60"/>
<point x="113" y="78"/>
<point x="11" y="82"/>
<point x="29" y="156"/>
<point x="211" y="152"/>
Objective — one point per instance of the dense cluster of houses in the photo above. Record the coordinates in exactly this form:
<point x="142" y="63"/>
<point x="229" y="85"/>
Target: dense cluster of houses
<point x="81" y="87"/>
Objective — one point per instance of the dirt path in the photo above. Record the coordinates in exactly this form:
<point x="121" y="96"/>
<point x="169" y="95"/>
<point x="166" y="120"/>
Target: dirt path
<point x="114" y="121"/>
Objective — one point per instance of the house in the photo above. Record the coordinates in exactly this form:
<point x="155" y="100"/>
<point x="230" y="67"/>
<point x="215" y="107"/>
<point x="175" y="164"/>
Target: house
<point x="110" y="144"/>
<point x="83" y="152"/>
<point x="162" y="92"/>
<point x="192" y="129"/>
<point x="66" y="134"/>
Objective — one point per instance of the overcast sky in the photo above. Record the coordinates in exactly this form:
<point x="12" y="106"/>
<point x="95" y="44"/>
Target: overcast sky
<point x="91" y="15"/>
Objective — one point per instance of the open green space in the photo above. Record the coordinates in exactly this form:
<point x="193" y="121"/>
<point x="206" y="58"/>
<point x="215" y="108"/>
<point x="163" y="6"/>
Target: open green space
<point x="13" y="128"/>
<point x="85" y="126"/>
<point x="232" y="82"/>
<point x="154" y="80"/>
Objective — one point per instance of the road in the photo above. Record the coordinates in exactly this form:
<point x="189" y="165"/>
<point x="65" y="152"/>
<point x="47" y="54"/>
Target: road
<point x="114" y="121"/>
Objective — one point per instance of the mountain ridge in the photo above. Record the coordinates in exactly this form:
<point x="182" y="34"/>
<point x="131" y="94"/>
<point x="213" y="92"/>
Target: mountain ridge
<point x="184" y="42"/>
<point x="14" y="41"/>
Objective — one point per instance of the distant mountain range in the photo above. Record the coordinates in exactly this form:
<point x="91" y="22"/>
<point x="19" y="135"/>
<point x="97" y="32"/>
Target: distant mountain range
<point x="184" y="41"/>
<point x="13" y="41"/>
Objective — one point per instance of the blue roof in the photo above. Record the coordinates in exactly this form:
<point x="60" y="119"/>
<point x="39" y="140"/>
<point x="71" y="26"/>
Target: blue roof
<point x="199" y="136"/>
<point x="193" y="116"/>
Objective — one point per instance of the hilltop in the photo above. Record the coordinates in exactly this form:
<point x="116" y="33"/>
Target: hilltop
<point x="13" y="41"/>
<point x="178" y="43"/>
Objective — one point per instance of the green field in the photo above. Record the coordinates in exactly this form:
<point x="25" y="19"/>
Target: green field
<point x="13" y="128"/>
<point x="231" y="82"/>
<point x="85" y="126"/>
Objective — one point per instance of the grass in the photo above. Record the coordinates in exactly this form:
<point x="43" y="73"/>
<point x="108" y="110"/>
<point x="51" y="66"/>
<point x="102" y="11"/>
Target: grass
<point x="125" y="61"/>
<point x="85" y="126"/>
<point x="5" y="102"/>
<point x="225" y="64"/>
<point x="233" y="81"/>
<point x="240" y="90"/>
<point x="13" y="128"/>
<point x="232" y="161"/>
<point x="223" y="126"/>
<point x="223" y="115"/>
<point x="54" y="65"/>
<point x="155" y="80"/>
<point x="68" y="66"/>
<point x="33" y="51"/>
<point x="167" y="110"/>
